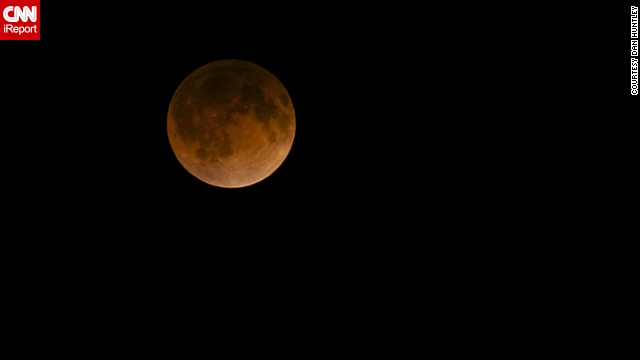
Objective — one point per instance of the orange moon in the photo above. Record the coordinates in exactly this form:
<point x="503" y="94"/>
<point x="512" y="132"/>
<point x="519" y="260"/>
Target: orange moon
<point x="231" y="123"/>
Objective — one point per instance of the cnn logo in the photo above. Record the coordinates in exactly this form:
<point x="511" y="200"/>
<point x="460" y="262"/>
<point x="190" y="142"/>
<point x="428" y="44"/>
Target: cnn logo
<point x="20" y="20"/>
<point x="13" y="13"/>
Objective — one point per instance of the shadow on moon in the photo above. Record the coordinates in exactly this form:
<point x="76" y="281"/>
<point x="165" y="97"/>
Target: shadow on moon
<point x="231" y="123"/>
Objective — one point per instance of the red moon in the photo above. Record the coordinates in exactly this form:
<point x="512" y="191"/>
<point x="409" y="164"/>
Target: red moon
<point x="231" y="123"/>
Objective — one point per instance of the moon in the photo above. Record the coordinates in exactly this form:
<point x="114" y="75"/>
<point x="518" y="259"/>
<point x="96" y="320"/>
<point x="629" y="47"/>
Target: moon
<point x="231" y="123"/>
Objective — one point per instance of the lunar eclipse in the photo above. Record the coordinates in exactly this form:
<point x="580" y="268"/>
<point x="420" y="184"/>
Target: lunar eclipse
<point x="231" y="123"/>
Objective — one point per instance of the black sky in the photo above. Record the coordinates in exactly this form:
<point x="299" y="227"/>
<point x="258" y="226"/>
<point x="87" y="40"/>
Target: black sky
<point x="407" y="119"/>
<point x="444" y="161"/>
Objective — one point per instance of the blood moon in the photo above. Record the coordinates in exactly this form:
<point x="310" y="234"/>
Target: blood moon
<point x="231" y="123"/>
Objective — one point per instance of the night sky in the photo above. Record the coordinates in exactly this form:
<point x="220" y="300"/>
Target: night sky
<point x="445" y="162"/>
<point x="430" y="123"/>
